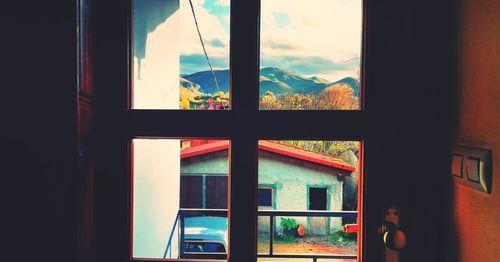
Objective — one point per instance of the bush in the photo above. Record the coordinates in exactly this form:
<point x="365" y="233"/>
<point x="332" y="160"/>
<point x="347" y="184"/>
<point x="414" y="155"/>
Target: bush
<point x="288" y="224"/>
<point x="289" y="230"/>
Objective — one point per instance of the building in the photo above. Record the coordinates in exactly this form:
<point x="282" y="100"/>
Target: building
<point x="290" y="178"/>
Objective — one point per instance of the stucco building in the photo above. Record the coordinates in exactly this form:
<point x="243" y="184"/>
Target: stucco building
<point x="290" y="178"/>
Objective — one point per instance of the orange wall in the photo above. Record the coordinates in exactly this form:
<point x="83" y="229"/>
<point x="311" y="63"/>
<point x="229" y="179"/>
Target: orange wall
<point x="477" y="215"/>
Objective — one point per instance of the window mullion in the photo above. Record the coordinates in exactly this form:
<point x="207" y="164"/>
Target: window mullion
<point x="243" y="124"/>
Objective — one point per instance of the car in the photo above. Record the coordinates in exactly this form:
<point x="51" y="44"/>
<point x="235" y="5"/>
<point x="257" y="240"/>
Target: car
<point x="205" y="237"/>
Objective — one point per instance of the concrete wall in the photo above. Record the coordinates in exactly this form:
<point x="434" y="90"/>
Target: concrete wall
<point x="291" y="183"/>
<point x="218" y="164"/>
<point x="477" y="214"/>
<point x="156" y="196"/>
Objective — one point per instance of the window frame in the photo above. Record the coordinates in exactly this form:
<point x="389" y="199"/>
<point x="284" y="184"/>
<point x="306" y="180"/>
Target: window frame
<point x="327" y="196"/>
<point x="120" y="124"/>
<point x="272" y="187"/>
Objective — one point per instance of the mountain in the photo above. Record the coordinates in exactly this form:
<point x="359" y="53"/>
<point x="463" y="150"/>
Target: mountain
<point x="205" y="80"/>
<point x="272" y="79"/>
<point x="280" y="79"/>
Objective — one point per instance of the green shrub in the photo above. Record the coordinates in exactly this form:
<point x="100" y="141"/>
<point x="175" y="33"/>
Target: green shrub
<point x="289" y="229"/>
<point x="288" y="224"/>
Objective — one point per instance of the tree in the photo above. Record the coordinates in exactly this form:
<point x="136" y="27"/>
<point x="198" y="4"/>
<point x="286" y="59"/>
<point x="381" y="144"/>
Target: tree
<point x="337" y="97"/>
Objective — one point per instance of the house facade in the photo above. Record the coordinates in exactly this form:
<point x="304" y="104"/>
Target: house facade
<point x="289" y="178"/>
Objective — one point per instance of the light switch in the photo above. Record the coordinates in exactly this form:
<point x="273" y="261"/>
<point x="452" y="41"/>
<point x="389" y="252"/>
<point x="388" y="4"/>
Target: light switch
<point x="473" y="169"/>
<point x="471" y="166"/>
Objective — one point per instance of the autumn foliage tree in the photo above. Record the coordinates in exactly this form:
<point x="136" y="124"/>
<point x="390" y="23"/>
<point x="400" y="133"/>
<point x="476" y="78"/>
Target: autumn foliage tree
<point x="335" y="97"/>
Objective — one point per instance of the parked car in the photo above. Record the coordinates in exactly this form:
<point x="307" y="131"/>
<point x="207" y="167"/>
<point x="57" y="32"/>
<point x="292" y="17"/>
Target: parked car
<point x="205" y="237"/>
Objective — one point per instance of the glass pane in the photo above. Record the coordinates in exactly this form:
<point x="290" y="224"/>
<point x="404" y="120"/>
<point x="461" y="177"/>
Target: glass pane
<point x="310" y="54"/>
<point x="265" y="197"/>
<point x="180" y="196"/>
<point x="176" y="64"/>
<point x="315" y="192"/>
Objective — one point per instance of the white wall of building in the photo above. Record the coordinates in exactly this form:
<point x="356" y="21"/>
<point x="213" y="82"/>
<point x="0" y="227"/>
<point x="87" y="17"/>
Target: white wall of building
<point x="156" y="186"/>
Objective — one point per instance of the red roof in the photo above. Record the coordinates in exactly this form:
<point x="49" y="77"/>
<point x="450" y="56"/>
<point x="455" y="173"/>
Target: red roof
<point x="274" y="147"/>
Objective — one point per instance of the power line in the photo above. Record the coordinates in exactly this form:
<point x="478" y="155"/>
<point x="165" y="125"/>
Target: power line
<point x="205" y="50"/>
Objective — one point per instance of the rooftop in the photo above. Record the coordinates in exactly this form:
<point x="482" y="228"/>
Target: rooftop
<point x="274" y="147"/>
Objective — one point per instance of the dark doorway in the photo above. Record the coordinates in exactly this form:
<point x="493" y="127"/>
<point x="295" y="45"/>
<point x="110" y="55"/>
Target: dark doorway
<point x="317" y="198"/>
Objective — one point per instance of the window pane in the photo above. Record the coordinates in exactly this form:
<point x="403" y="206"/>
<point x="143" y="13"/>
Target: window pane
<point x="169" y="177"/>
<point x="265" y="197"/>
<point x="317" y="181"/>
<point x="170" y="68"/>
<point x="310" y="54"/>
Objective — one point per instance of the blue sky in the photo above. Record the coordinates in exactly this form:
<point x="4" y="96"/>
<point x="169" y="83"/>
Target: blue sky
<point x="311" y="37"/>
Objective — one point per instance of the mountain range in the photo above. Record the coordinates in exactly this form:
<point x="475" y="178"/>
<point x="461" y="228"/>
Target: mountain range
<point x="272" y="79"/>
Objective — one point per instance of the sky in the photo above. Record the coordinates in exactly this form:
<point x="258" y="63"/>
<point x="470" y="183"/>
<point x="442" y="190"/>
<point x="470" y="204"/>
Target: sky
<point x="311" y="37"/>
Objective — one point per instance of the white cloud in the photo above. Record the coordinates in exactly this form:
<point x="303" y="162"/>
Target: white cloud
<point x="330" y="29"/>
<point x="326" y="28"/>
<point x="210" y="29"/>
<point x="223" y="2"/>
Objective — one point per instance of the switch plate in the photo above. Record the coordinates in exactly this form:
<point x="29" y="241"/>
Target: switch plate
<point x="472" y="167"/>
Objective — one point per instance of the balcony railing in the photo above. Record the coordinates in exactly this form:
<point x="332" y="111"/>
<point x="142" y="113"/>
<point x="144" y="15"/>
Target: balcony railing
<point x="310" y="213"/>
<point x="186" y="212"/>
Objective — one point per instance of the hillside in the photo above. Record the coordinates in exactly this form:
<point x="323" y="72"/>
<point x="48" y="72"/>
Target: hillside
<point x="271" y="79"/>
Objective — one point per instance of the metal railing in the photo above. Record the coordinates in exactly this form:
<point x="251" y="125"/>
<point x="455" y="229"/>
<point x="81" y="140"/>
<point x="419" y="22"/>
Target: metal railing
<point x="310" y="213"/>
<point x="188" y="212"/>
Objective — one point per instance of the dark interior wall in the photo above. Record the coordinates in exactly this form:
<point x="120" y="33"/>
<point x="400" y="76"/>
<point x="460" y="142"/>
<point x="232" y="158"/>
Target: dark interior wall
<point x="38" y="148"/>
<point x="476" y="215"/>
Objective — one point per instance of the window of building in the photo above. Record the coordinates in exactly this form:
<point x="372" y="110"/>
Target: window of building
<point x="266" y="197"/>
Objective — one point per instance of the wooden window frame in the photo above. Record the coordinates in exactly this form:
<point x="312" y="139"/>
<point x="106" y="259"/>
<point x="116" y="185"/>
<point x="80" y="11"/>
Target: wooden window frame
<point x="244" y="126"/>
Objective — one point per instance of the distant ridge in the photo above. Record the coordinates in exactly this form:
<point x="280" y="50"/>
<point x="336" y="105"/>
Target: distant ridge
<point x="272" y="79"/>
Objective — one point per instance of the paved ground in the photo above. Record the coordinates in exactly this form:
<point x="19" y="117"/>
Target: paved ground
<point x="308" y="245"/>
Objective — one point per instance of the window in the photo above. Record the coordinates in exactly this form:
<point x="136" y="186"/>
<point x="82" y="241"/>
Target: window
<point x="179" y="199"/>
<point x="244" y="125"/>
<point x="310" y="54"/>
<point x="180" y="54"/>
<point x="266" y="197"/>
